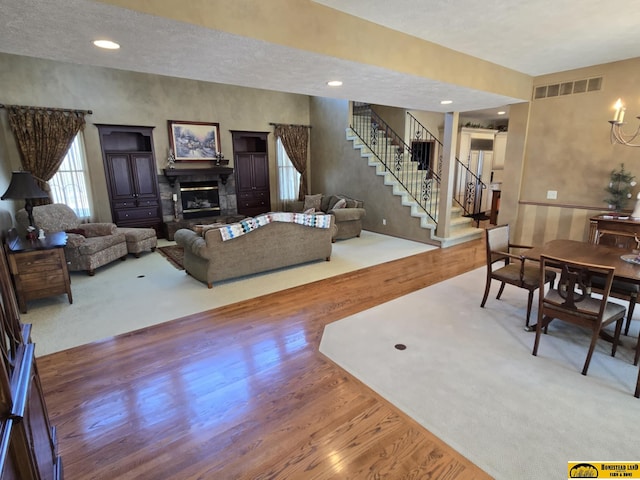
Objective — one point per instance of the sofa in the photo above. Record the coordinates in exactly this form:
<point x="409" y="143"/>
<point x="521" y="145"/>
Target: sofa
<point x="277" y="244"/>
<point x="89" y="245"/>
<point x="348" y="212"/>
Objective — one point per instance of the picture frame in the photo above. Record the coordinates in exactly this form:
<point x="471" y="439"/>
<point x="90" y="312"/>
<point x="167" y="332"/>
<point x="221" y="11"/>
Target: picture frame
<point x="194" y="141"/>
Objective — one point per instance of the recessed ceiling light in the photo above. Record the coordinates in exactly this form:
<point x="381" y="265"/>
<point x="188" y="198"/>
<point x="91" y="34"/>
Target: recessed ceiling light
<point x="108" y="44"/>
<point x="501" y="112"/>
<point x="334" y="83"/>
<point x="446" y="102"/>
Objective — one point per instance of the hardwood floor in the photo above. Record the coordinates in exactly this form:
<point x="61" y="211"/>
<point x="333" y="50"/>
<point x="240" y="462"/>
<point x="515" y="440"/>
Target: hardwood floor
<point x="241" y="392"/>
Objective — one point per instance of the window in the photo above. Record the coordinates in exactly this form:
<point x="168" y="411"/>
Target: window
<point x="288" y="177"/>
<point x="69" y="184"/>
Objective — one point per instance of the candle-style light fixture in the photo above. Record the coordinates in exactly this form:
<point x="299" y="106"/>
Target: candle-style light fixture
<point x="617" y="135"/>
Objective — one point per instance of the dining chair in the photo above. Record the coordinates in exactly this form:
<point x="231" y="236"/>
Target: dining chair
<point x="571" y="301"/>
<point x="509" y="268"/>
<point x="620" y="289"/>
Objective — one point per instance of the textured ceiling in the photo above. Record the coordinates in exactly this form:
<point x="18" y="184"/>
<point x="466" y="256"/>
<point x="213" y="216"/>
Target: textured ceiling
<point x="533" y="37"/>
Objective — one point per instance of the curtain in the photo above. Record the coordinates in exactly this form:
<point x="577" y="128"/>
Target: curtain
<point x="295" y="139"/>
<point x="43" y="137"/>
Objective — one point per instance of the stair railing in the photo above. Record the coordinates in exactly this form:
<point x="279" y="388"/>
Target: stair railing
<point x="468" y="188"/>
<point x="419" y="180"/>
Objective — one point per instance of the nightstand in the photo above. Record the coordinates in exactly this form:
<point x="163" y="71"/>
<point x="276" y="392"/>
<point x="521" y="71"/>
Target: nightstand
<point x="39" y="267"/>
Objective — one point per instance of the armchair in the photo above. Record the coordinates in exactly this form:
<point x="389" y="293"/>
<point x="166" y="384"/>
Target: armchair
<point x="89" y="245"/>
<point x="572" y="302"/>
<point x="515" y="269"/>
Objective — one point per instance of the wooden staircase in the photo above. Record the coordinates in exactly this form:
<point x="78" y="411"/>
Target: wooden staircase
<point x="461" y="228"/>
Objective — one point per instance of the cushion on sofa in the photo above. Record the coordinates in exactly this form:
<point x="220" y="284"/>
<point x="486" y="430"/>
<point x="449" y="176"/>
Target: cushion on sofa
<point x="342" y="200"/>
<point x="312" y="201"/>
<point x="342" y="203"/>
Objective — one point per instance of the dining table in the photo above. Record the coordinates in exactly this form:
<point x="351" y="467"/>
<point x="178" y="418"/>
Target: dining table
<point x="626" y="263"/>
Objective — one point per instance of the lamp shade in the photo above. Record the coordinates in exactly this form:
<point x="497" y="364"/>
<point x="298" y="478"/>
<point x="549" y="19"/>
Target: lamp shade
<point x="22" y="187"/>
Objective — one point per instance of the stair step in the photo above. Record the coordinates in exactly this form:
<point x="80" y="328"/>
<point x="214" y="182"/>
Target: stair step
<point x="461" y="228"/>
<point x="459" y="236"/>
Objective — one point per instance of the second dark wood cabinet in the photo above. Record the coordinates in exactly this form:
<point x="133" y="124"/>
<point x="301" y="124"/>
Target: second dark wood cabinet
<point x="130" y="169"/>
<point x="251" y="167"/>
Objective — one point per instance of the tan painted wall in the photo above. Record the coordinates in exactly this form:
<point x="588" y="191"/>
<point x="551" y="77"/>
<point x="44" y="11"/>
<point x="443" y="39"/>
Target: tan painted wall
<point x="394" y="117"/>
<point x="337" y="168"/>
<point x="567" y="149"/>
<point x="537" y="224"/>
<point x="514" y="163"/>
<point x="127" y="98"/>
<point x="569" y="136"/>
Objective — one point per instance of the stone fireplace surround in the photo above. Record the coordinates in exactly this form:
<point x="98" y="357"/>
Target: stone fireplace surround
<point x="169" y="184"/>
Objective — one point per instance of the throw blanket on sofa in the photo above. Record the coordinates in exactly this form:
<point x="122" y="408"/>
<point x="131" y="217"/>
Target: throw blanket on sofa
<point x="248" y="224"/>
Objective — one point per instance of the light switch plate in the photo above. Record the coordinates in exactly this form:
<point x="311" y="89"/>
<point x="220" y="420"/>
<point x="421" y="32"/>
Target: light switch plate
<point x="552" y="195"/>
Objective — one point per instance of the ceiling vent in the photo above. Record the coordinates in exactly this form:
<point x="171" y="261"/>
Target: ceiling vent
<point x="593" y="84"/>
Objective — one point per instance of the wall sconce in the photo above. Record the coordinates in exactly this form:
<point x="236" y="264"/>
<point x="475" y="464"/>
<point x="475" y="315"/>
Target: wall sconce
<point x="24" y="187"/>
<point x="617" y="135"/>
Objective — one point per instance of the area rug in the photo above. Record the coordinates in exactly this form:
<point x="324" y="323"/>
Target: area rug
<point x="468" y="376"/>
<point x="174" y="254"/>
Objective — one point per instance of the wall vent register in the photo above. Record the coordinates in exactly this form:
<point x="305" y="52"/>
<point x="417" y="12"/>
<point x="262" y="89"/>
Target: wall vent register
<point x="584" y="85"/>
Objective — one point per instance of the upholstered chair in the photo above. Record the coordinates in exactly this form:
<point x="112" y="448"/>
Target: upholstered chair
<point x="573" y="303"/>
<point x="89" y="245"/>
<point x="507" y="267"/>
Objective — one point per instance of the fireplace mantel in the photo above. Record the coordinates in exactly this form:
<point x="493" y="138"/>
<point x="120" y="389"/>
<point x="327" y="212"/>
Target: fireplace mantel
<point x="172" y="174"/>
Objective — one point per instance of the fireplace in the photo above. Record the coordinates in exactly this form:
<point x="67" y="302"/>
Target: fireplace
<point x="212" y="201"/>
<point x="199" y="199"/>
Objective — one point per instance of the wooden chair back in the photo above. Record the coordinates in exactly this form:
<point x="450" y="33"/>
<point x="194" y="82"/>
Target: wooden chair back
<point x="571" y="301"/>
<point x="497" y="240"/>
<point x="569" y="297"/>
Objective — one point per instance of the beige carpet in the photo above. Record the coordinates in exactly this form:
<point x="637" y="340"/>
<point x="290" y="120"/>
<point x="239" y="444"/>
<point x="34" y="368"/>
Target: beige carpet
<point x="468" y="376"/>
<point x="126" y="296"/>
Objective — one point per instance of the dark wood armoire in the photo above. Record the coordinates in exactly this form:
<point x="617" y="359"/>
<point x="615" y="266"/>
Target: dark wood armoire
<point x="131" y="173"/>
<point x="251" y="169"/>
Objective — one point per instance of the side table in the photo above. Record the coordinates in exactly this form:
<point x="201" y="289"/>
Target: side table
<point x="621" y="223"/>
<point x="39" y="267"/>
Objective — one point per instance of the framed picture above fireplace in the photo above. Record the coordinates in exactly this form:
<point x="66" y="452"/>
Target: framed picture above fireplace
<point x="194" y="141"/>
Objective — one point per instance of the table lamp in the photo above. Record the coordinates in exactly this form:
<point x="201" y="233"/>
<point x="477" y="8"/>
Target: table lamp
<point x="24" y="187"/>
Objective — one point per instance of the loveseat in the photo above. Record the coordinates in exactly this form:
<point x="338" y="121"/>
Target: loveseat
<point x="348" y="212"/>
<point x="89" y="245"/>
<point x="276" y="244"/>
